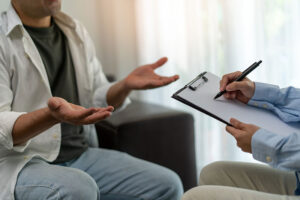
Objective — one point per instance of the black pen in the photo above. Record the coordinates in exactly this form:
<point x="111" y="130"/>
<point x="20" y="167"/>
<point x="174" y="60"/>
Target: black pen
<point x="241" y="77"/>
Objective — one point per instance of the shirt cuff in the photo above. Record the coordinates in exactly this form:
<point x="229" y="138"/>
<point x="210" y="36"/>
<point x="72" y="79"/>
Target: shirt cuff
<point x="100" y="98"/>
<point x="100" y="95"/>
<point x="265" y="92"/>
<point x="123" y="106"/>
<point x="262" y="144"/>
<point x="7" y="122"/>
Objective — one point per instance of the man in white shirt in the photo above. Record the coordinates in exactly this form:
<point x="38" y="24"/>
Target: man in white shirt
<point x="44" y="151"/>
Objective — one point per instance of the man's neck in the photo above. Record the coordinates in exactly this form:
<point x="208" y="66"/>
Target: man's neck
<point x="38" y="22"/>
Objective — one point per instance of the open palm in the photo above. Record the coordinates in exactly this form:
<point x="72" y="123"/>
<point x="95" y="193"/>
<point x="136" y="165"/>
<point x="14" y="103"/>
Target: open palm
<point x="144" y="77"/>
<point x="64" y="111"/>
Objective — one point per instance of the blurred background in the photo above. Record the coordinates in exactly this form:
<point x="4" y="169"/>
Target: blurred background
<point x="219" y="36"/>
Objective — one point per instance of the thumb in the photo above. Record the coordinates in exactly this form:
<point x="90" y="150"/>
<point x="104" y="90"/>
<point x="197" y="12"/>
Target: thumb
<point x="237" y="124"/>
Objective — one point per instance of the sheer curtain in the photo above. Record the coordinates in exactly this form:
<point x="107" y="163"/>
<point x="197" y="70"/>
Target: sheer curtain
<point x="219" y="36"/>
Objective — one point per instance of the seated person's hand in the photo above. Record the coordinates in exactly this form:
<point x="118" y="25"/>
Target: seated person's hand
<point x="242" y="91"/>
<point x="66" y="112"/>
<point x="144" y="77"/>
<point x="242" y="133"/>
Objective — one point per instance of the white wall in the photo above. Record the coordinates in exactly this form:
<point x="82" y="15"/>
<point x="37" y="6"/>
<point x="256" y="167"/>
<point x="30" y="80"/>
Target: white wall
<point x="111" y="24"/>
<point x="116" y="22"/>
<point x="4" y="5"/>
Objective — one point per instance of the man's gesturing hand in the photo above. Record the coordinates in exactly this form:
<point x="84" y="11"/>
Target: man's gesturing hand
<point x="240" y="90"/>
<point x="64" y="111"/>
<point x="144" y="77"/>
<point x="242" y="133"/>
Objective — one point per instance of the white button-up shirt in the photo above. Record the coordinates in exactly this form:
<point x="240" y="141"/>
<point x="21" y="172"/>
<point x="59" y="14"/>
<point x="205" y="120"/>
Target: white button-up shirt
<point x="24" y="87"/>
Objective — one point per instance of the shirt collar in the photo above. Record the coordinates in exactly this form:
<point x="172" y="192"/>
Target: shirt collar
<point x="66" y="22"/>
<point x="65" y="19"/>
<point x="13" y="20"/>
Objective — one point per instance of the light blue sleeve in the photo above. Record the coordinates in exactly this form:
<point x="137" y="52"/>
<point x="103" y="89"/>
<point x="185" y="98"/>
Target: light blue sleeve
<point x="282" y="152"/>
<point x="279" y="151"/>
<point x="283" y="102"/>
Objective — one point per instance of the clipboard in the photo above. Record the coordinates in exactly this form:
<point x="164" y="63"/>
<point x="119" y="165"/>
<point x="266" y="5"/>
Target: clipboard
<point x="199" y="94"/>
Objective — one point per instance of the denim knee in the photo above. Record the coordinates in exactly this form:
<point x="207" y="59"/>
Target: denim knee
<point x="170" y="185"/>
<point x="69" y="185"/>
<point x="81" y="187"/>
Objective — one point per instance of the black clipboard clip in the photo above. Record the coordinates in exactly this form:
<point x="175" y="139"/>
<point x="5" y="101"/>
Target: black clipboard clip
<point x="194" y="84"/>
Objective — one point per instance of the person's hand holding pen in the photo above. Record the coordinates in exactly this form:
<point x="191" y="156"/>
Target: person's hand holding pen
<point x="240" y="90"/>
<point x="243" y="91"/>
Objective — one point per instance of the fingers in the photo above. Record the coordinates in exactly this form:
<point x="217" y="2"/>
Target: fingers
<point x="109" y="109"/>
<point x="175" y="77"/>
<point x="159" y="63"/>
<point x="169" y="78"/>
<point x="93" y="115"/>
<point x="243" y="138"/>
<point x="96" y="117"/>
<point x="75" y="114"/>
<point x="237" y="124"/>
<point x="228" y="78"/>
<point x="161" y="81"/>
<point x="92" y="111"/>
<point x="235" y="86"/>
<point x="230" y="95"/>
<point x="233" y="131"/>
<point x="81" y="114"/>
<point x="157" y="83"/>
<point x="88" y="116"/>
<point x="100" y="114"/>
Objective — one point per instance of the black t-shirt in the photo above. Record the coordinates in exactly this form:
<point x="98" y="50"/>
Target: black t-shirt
<point x="56" y="55"/>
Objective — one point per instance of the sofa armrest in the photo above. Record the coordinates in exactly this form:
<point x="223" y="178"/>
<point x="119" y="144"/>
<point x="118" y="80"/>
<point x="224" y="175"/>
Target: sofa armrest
<point x="154" y="133"/>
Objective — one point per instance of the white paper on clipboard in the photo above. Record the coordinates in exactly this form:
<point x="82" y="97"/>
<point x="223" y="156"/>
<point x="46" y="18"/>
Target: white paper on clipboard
<point x="202" y="99"/>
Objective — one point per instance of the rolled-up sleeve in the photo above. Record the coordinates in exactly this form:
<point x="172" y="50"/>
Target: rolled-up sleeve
<point x="7" y="116"/>
<point x="100" y="99"/>
<point x="7" y="121"/>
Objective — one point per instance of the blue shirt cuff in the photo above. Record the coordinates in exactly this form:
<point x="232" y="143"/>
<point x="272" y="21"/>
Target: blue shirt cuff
<point x="261" y="149"/>
<point x="265" y="92"/>
<point x="265" y="147"/>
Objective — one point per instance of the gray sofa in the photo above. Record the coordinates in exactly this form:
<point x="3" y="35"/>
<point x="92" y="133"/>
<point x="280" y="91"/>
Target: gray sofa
<point x="154" y="133"/>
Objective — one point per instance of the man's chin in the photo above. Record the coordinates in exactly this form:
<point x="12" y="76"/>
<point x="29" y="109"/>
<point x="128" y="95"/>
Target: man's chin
<point x="53" y="6"/>
<point x="49" y="2"/>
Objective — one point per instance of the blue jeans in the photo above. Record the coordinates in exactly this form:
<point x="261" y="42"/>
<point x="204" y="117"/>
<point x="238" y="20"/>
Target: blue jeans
<point x="98" y="172"/>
